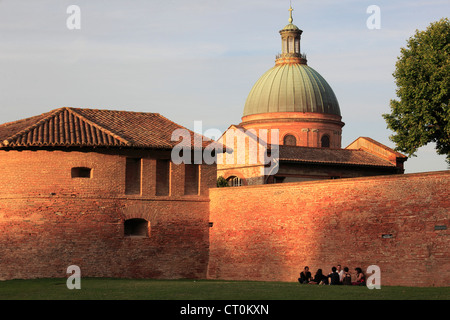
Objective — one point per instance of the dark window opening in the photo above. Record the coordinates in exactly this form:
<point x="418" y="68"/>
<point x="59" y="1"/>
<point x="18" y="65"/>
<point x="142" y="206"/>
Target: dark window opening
<point x="325" y="141"/>
<point x="136" y="228"/>
<point x="162" y="177"/>
<point x="278" y="179"/>
<point x="81" y="172"/>
<point x="289" y="140"/>
<point x="234" y="181"/>
<point x="191" y="178"/>
<point x="133" y="176"/>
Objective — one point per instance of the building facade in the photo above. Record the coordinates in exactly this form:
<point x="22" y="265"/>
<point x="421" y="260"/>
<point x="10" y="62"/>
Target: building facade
<point x="98" y="189"/>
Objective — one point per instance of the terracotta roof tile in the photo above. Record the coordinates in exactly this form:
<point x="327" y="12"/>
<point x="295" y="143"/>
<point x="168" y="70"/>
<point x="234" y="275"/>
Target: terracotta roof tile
<point x="331" y="156"/>
<point x="92" y="128"/>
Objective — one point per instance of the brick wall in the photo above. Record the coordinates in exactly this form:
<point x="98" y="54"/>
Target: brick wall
<point x="271" y="232"/>
<point x="49" y="221"/>
<point x="308" y="128"/>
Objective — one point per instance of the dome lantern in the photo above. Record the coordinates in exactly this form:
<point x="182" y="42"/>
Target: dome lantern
<point x="294" y="99"/>
<point x="290" y="43"/>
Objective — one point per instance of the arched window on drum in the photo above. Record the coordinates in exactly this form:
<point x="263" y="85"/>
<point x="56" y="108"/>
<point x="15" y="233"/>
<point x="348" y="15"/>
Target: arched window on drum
<point x="289" y="140"/>
<point x="325" y="141"/>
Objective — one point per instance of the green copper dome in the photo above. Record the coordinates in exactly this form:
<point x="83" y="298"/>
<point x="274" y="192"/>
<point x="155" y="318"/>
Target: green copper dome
<point x="291" y="88"/>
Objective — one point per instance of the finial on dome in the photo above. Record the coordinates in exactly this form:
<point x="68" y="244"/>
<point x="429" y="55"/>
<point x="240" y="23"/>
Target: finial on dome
<point x="290" y="14"/>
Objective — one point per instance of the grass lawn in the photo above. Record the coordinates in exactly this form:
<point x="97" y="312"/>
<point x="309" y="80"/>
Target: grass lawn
<point x="126" y="289"/>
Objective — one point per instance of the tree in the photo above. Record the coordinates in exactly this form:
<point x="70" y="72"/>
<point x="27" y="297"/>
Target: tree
<point x="422" y="76"/>
<point x="221" y="182"/>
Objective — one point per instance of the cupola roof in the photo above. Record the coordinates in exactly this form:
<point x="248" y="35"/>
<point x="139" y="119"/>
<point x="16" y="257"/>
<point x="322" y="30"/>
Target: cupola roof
<point x="291" y="88"/>
<point x="291" y="85"/>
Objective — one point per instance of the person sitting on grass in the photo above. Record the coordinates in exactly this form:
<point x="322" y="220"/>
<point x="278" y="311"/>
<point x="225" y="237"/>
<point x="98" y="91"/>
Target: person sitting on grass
<point x="305" y="276"/>
<point x="334" y="277"/>
<point x="347" y="277"/>
<point x="360" y="278"/>
<point x="319" y="278"/>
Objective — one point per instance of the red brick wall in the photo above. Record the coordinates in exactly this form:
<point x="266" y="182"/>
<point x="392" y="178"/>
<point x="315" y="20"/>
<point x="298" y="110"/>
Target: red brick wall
<point x="271" y="232"/>
<point x="308" y="128"/>
<point x="49" y="221"/>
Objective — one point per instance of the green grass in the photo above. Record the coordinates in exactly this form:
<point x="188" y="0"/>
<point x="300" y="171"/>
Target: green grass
<point x="126" y="289"/>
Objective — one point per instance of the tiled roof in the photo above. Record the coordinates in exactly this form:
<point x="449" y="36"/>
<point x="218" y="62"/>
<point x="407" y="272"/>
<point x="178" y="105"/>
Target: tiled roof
<point x="331" y="156"/>
<point x="92" y="128"/>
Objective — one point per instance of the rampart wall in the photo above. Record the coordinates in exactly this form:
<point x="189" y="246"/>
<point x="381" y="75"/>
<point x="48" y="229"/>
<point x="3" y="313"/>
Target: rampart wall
<point x="271" y="232"/>
<point x="49" y="220"/>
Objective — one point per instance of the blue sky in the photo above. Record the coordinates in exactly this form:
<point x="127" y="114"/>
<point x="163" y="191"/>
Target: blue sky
<point x="198" y="59"/>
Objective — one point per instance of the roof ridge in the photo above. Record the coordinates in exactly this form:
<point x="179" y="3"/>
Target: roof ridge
<point x="83" y="127"/>
<point x="98" y="126"/>
<point x="112" y="110"/>
<point x="51" y="114"/>
<point x="10" y="123"/>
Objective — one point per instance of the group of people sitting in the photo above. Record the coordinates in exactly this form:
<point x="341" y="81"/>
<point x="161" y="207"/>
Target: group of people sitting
<point x="337" y="276"/>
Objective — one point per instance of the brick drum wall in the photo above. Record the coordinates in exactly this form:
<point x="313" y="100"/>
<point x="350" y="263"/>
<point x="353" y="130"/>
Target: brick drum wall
<point x="271" y="232"/>
<point x="49" y="221"/>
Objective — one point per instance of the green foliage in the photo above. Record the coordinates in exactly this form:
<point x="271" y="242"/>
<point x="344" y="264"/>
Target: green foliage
<point x="221" y="182"/>
<point x="422" y="75"/>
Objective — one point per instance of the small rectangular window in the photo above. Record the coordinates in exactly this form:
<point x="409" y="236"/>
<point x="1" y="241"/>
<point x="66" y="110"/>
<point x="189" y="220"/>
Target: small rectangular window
<point x="136" y="228"/>
<point x="133" y="176"/>
<point x="81" y="172"/>
<point x="162" y="177"/>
